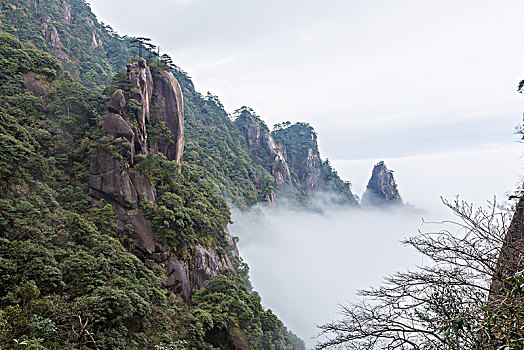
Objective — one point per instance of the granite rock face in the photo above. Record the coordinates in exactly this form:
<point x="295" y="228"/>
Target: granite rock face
<point x="170" y="102"/>
<point x="52" y="39"/>
<point x="262" y="144"/>
<point x="299" y="146"/>
<point x="142" y="92"/>
<point x="108" y="179"/>
<point x="66" y="10"/>
<point x="116" y="182"/>
<point x="382" y="188"/>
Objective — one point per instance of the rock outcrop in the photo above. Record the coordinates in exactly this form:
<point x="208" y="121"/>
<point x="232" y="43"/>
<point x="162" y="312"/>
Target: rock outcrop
<point x="115" y="182"/>
<point x="382" y="188"/>
<point x="141" y="93"/>
<point x="264" y="147"/>
<point x="170" y="102"/>
<point x="52" y="39"/>
<point x="299" y="147"/>
<point x="34" y="84"/>
<point x="66" y="10"/>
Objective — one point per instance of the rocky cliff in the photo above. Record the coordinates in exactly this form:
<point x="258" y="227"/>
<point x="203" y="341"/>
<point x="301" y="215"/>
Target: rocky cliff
<point x="298" y="146"/>
<point x="264" y="148"/>
<point x="115" y="180"/>
<point x="382" y="188"/>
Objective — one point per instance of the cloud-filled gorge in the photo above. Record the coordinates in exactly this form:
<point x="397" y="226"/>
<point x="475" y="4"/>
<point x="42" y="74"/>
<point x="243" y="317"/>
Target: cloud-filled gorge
<point x="304" y="263"/>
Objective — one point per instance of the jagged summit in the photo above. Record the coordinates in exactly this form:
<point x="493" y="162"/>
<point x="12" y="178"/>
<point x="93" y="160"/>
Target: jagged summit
<point x="382" y="188"/>
<point x="290" y="153"/>
<point x="265" y="149"/>
<point x="314" y="175"/>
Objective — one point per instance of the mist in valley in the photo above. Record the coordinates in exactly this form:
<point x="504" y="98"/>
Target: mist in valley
<point x="305" y="262"/>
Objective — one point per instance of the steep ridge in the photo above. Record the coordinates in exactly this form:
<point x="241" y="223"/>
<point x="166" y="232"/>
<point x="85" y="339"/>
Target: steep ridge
<point x="264" y="150"/>
<point x="99" y="231"/>
<point x="311" y="175"/>
<point x="382" y="188"/>
<point x="124" y="186"/>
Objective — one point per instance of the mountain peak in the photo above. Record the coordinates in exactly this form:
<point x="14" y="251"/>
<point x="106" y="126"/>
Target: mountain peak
<point x="382" y="187"/>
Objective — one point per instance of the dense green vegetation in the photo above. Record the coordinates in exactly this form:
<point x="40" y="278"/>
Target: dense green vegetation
<point x="90" y="51"/>
<point x="67" y="278"/>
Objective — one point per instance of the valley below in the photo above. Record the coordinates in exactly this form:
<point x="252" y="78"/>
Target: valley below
<point x="305" y="264"/>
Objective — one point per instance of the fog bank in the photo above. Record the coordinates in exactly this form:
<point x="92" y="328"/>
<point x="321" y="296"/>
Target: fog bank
<point x="303" y="263"/>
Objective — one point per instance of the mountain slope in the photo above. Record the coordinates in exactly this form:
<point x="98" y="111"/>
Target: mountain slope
<point x="68" y="30"/>
<point x="77" y="272"/>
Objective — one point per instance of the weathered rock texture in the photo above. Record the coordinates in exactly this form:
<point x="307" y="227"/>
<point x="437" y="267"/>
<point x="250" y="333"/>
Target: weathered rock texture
<point x="382" y="188"/>
<point x="52" y="39"/>
<point x="111" y="180"/>
<point x="263" y="146"/>
<point x="66" y="9"/>
<point x="299" y="147"/>
<point x="170" y="102"/>
<point x="142" y="92"/>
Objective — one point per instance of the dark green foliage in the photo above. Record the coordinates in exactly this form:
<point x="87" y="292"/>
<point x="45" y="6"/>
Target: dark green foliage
<point x="224" y="306"/>
<point x="91" y="51"/>
<point x="187" y="210"/>
<point x="66" y="280"/>
<point x="217" y="151"/>
<point x="503" y="325"/>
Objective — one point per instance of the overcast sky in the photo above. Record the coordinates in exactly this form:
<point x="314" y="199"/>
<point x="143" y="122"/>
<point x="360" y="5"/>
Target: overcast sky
<point x="375" y="78"/>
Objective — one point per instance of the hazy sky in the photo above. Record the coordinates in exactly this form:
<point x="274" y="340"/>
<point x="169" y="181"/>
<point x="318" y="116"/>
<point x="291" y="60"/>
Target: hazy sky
<point x="375" y="78"/>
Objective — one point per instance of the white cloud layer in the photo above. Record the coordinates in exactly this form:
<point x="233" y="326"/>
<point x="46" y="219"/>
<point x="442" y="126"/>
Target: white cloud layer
<point x="304" y="263"/>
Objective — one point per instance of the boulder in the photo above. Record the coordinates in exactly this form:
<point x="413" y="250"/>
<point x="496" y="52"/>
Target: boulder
<point x="108" y="179"/>
<point x="117" y="102"/>
<point x="114" y="124"/>
<point x="34" y="85"/>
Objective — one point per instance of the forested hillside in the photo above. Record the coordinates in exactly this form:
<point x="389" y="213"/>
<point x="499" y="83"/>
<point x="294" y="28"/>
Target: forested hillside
<point x="92" y="52"/>
<point x="115" y="174"/>
<point x="72" y="276"/>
